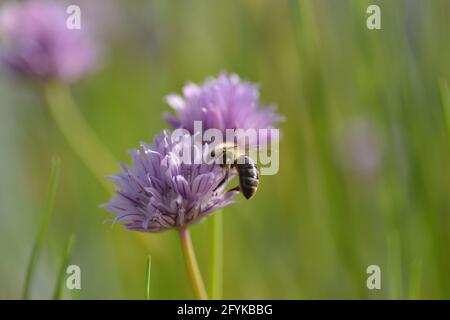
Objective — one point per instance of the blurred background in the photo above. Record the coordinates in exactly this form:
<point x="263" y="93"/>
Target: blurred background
<point x="364" y="171"/>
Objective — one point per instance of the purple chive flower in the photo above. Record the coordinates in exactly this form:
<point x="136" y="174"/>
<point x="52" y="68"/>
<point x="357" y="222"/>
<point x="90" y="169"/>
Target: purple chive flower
<point x="160" y="192"/>
<point x="359" y="148"/>
<point x="36" y="42"/>
<point x="223" y="103"/>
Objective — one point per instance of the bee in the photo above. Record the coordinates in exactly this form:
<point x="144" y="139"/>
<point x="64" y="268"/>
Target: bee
<point x="238" y="162"/>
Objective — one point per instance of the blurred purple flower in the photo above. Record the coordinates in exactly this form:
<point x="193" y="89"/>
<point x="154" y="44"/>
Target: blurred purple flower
<point x="159" y="192"/>
<point x="359" y="148"/>
<point x="223" y="103"/>
<point x="36" y="42"/>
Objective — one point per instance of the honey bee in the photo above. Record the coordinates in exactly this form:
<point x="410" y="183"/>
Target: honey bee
<point x="238" y="162"/>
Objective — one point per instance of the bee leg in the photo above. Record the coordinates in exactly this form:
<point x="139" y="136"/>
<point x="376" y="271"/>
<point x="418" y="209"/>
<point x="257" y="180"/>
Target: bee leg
<point x="237" y="188"/>
<point x="225" y="179"/>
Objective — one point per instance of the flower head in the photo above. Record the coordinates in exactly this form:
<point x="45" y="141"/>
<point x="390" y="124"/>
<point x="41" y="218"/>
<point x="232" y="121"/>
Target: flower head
<point x="223" y="103"/>
<point x="160" y="191"/>
<point x="36" y="42"/>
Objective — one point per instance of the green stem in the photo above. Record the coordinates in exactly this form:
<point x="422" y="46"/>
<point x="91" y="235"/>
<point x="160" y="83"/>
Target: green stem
<point x="78" y="133"/>
<point x="192" y="265"/>
<point x="80" y="136"/>
<point x="45" y="220"/>
<point x="63" y="267"/>
<point x="148" y="271"/>
<point x="217" y="256"/>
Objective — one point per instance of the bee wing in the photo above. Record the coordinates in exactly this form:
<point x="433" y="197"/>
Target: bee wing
<point x="238" y="150"/>
<point x="252" y="150"/>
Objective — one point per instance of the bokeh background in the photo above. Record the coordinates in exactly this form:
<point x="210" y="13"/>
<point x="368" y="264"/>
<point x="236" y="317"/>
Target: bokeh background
<point x="364" y="171"/>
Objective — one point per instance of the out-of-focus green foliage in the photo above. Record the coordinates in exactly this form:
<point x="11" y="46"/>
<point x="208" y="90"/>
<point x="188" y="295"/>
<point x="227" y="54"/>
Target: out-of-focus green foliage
<point x="364" y="163"/>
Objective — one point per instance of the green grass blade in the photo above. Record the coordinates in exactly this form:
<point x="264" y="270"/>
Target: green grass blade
<point x="217" y="256"/>
<point x="415" y="280"/>
<point x="80" y="136"/>
<point x="43" y="226"/>
<point x="148" y="272"/>
<point x="63" y="267"/>
<point x="394" y="266"/>
<point x="445" y="102"/>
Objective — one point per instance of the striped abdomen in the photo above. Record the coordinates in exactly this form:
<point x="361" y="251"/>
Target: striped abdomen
<point x="248" y="176"/>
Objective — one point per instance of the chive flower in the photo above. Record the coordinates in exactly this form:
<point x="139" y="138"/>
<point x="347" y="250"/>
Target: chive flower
<point x="225" y="102"/>
<point x="160" y="191"/>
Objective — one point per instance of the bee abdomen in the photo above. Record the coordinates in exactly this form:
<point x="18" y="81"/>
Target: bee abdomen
<point x="248" y="178"/>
